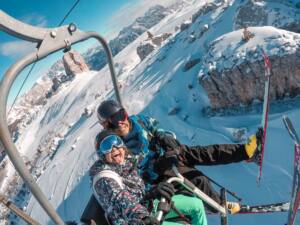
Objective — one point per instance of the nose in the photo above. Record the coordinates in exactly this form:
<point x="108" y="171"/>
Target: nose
<point x="114" y="149"/>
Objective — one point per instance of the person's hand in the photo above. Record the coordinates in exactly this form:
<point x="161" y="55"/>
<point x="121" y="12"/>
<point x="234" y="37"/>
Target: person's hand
<point x="150" y="220"/>
<point x="259" y="135"/>
<point x="163" y="189"/>
<point x="165" y="140"/>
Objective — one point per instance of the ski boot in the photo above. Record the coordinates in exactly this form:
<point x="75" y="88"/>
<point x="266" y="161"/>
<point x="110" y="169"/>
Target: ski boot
<point x="233" y="207"/>
<point x="254" y="147"/>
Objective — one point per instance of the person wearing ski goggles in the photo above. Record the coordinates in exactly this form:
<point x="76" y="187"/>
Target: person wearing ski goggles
<point x="121" y="192"/>
<point x="143" y="137"/>
<point x="116" y="120"/>
<point x="113" y="149"/>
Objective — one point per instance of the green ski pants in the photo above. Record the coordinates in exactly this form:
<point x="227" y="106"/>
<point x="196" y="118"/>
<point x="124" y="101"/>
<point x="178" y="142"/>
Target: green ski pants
<point x="187" y="205"/>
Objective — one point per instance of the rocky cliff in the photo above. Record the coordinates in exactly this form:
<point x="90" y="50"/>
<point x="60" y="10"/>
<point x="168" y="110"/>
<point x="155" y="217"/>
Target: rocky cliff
<point x="152" y="42"/>
<point x="233" y="70"/>
<point x="282" y="14"/>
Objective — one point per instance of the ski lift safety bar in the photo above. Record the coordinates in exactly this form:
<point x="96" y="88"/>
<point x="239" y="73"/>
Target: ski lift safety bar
<point x="49" y="40"/>
<point x="191" y="187"/>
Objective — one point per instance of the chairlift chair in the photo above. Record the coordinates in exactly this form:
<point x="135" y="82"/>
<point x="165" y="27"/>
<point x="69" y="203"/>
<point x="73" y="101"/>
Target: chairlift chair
<point x="48" y="40"/>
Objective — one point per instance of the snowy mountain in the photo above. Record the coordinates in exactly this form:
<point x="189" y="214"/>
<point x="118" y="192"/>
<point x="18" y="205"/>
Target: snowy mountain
<point x="165" y="85"/>
<point x="233" y="69"/>
<point x="96" y="57"/>
<point x="29" y="104"/>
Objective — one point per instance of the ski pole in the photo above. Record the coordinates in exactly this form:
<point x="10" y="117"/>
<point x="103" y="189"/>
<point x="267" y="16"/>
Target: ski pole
<point x="228" y="191"/>
<point x="17" y="211"/>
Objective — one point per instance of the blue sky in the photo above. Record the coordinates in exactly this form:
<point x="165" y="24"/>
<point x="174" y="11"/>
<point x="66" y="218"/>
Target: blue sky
<point x="104" y="16"/>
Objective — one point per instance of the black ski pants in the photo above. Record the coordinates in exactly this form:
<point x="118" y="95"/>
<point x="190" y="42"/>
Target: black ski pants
<point x="189" y="157"/>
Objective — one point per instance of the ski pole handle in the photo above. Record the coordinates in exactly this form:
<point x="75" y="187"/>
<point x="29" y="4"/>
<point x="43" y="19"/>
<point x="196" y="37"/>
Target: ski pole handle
<point x="160" y="213"/>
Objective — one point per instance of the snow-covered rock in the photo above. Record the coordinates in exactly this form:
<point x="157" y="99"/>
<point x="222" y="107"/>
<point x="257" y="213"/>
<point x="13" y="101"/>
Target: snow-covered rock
<point x="152" y="42"/>
<point x="237" y="77"/>
<point x="144" y="50"/>
<point x="185" y="25"/>
<point x="282" y="14"/>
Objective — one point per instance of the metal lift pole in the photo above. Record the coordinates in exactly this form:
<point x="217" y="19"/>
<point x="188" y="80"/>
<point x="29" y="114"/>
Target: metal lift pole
<point x="49" y="40"/>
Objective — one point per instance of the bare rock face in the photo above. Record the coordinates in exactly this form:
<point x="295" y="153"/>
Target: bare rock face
<point x="245" y="83"/>
<point x="185" y="25"/>
<point x="234" y="78"/>
<point x="263" y="13"/>
<point x="157" y="40"/>
<point x="208" y="7"/>
<point x="144" y="49"/>
<point x="190" y="64"/>
<point x="74" y="63"/>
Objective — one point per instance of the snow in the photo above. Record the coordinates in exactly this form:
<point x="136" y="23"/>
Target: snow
<point x="154" y="87"/>
<point x="229" y="50"/>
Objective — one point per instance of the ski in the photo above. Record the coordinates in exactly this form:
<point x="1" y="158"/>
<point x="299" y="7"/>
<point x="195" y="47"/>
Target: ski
<point x="264" y="120"/>
<point x="295" y="199"/>
<point x="290" y="128"/>
<point x="268" y="208"/>
<point x="265" y="208"/>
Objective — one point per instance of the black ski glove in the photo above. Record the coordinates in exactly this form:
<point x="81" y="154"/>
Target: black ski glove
<point x="150" y="220"/>
<point x="259" y="136"/>
<point x="166" y="141"/>
<point x="163" y="189"/>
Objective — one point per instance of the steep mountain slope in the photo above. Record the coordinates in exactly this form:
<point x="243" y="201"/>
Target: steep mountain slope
<point x="96" y="57"/>
<point x="157" y="86"/>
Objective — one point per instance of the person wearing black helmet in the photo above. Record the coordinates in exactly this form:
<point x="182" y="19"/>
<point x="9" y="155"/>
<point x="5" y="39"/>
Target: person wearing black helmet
<point x="143" y="137"/>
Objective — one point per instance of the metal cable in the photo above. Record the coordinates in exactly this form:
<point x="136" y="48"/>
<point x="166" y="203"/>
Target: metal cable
<point x="29" y="72"/>
<point x="68" y="13"/>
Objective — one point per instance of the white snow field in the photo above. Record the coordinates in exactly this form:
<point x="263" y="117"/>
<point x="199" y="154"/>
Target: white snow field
<point x="154" y="87"/>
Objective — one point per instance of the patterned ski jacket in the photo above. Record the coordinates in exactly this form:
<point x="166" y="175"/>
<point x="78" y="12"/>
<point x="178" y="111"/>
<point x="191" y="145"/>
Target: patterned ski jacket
<point x="122" y="204"/>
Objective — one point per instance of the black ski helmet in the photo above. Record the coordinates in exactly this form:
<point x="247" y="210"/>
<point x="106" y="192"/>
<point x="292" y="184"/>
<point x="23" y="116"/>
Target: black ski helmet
<point x="107" y="109"/>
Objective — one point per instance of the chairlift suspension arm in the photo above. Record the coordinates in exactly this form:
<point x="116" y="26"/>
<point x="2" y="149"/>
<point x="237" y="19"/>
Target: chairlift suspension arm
<point x="48" y="42"/>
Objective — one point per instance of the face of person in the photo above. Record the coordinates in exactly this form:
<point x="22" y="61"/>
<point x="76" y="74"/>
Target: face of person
<point x="116" y="156"/>
<point x="123" y="128"/>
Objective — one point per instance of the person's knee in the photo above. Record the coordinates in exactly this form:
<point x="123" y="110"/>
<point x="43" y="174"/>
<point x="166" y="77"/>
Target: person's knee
<point x="197" y="205"/>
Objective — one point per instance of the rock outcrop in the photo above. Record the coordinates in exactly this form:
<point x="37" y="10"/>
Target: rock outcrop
<point x="152" y="42"/>
<point x="74" y="63"/>
<point x="158" y="40"/>
<point x="263" y="13"/>
<point x="245" y="83"/>
<point x="235" y="76"/>
<point x="144" y="50"/>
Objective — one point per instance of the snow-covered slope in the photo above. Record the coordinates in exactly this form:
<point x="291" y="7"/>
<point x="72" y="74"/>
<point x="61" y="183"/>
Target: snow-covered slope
<point x="156" y="86"/>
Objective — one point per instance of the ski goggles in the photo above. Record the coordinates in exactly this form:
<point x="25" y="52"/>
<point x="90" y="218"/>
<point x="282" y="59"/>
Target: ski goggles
<point x="118" y="117"/>
<point x="108" y="143"/>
